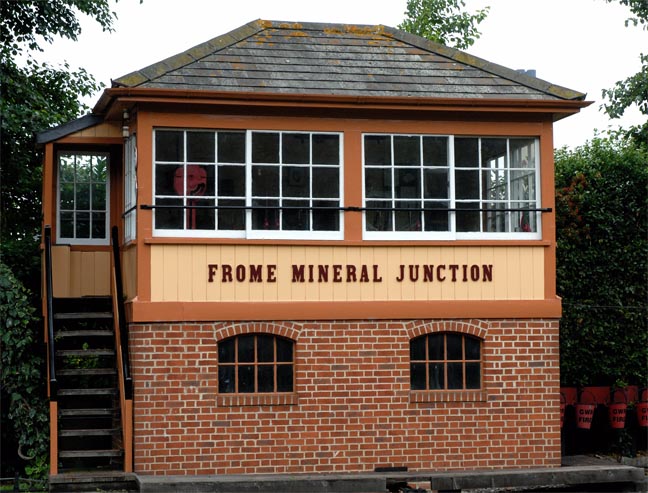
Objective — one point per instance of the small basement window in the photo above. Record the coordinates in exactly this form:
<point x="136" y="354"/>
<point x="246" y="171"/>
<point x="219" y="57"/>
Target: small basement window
<point x="255" y="363"/>
<point x="445" y="361"/>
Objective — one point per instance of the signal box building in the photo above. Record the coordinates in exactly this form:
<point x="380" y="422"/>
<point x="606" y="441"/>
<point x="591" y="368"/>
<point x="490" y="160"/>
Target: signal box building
<point x="334" y="251"/>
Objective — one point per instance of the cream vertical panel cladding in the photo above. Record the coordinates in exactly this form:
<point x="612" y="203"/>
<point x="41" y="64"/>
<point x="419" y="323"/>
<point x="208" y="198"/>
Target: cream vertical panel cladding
<point x="181" y="273"/>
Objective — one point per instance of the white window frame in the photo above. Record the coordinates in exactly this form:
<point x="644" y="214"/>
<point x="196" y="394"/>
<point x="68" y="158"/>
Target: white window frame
<point x="248" y="232"/>
<point x="130" y="189"/>
<point x="452" y="233"/>
<point x="82" y="241"/>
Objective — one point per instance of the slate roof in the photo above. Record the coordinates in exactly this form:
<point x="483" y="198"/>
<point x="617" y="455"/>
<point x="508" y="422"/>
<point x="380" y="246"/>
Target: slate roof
<point x="338" y="59"/>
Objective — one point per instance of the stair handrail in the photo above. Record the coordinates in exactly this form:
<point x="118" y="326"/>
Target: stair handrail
<point x="121" y="315"/>
<point x="49" y="316"/>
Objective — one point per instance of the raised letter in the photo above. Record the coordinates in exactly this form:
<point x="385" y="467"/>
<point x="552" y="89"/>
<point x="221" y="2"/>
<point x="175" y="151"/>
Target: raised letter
<point x="401" y="276"/>
<point x="376" y="277"/>
<point x="351" y="273"/>
<point x="474" y="273"/>
<point x="428" y="273"/>
<point x="364" y="274"/>
<point x="212" y="271"/>
<point x="453" y="268"/>
<point x="488" y="272"/>
<point x="256" y="273"/>
<point x="439" y="269"/>
<point x="337" y="273"/>
<point x="322" y="273"/>
<point x="298" y="273"/>
<point x="226" y="269"/>
<point x="240" y="273"/>
<point x="414" y="272"/>
<point x="272" y="273"/>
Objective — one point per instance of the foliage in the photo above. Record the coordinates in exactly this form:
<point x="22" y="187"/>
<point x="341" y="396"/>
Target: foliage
<point x="602" y="266"/>
<point x="443" y="22"/>
<point x="22" y="370"/>
<point x="634" y="89"/>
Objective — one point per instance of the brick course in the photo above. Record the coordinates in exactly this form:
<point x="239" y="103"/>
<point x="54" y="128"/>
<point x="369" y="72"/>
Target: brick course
<point x="352" y="409"/>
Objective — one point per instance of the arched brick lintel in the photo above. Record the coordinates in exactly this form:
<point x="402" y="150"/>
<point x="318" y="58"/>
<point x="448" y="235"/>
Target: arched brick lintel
<point x="283" y="329"/>
<point x="477" y="328"/>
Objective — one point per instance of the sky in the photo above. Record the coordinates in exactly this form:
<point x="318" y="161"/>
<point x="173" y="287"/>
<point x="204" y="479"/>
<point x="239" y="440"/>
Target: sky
<point x="579" y="44"/>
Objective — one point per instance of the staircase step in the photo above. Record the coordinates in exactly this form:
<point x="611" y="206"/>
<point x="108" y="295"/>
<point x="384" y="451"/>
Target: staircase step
<point x="86" y="412"/>
<point x="95" y="432"/>
<point x="85" y="333"/>
<point x="68" y="454"/>
<point x="69" y="392"/>
<point x="82" y="372"/>
<point x="85" y="352"/>
<point x="83" y="315"/>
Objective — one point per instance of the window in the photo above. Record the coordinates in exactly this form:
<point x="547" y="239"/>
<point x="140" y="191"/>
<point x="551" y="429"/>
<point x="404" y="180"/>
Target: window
<point x="130" y="189"/>
<point x="83" y="198"/>
<point x="255" y="363"/>
<point x="445" y="361"/>
<point x="253" y="184"/>
<point x="446" y="187"/>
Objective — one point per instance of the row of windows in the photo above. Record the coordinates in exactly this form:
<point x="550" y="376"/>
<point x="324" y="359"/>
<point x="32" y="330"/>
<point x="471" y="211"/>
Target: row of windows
<point x="262" y="184"/>
<point x="262" y="363"/>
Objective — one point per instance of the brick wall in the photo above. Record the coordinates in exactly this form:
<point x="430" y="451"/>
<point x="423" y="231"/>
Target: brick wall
<point x="352" y="409"/>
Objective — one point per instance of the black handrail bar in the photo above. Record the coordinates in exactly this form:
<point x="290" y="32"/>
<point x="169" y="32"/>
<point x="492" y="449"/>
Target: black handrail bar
<point x="121" y="315"/>
<point x="53" y="383"/>
<point x="343" y="209"/>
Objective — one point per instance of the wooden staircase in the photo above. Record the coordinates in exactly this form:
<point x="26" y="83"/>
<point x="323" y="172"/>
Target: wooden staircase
<point x="89" y="424"/>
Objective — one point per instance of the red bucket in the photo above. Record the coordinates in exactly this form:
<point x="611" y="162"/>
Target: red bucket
<point x="585" y="411"/>
<point x="617" y="410"/>
<point x="642" y="409"/>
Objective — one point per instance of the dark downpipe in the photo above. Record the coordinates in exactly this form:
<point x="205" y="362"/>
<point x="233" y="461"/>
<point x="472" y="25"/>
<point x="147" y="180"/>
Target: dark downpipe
<point x="121" y="314"/>
<point x="53" y="384"/>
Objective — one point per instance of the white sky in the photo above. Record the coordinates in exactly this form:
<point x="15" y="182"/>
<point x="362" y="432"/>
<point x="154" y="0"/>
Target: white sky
<point x="580" y="44"/>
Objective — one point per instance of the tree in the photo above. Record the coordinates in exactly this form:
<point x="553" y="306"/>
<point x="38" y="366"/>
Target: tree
<point x="602" y="266"/>
<point x="443" y="22"/>
<point x="634" y="89"/>
<point x="33" y="97"/>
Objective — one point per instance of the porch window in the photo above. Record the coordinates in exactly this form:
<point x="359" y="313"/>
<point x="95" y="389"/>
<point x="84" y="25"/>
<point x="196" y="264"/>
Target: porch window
<point x="255" y="184"/>
<point x="450" y="187"/>
<point x="130" y="189"/>
<point x="82" y="216"/>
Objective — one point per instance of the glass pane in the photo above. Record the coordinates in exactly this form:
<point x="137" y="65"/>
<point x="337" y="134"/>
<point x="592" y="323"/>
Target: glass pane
<point x="454" y="346"/>
<point x="265" y="378"/>
<point x="165" y="179"/>
<point x="265" y="348"/>
<point x="82" y="197"/>
<point x="284" y="378"/>
<point x="265" y="218"/>
<point x="494" y="184"/>
<point x="226" y="351"/>
<point x="98" y="197"/>
<point x="495" y="218"/>
<point x="231" y="181"/>
<point x="468" y="220"/>
<point x="436" y="347"/>
<point x="83" y="168"/>
<point x="99" y="225"/>
<point x="326" y="149"/>
<point x="408" y="220"/>
<point x="437" y="377"/>
<point x="296" y="216"/>
<point x="436" y="184"/>
<point x="66" y="167"/>
<point x="326" y="183"/>
<point x="407" y="183"/>
<point x="466" y="184"/>
<point x="417" y="376"/>
<point x="473" y="376"/>
<point x="522" y="153"/>
<point x="295" y="148"/>
<point x="265" y="147"/>
<point x="455" y="376"/>
<point x="200" y="147"/>
<point x="231" y="147"/>
<point x="325" y="220"/>
<point x="100" y="169"/>
<point x="377" y="149"/>
<point x="284" y="350"/>
<point x="473" y="348"/>
<point x="378" y="220"/>
<point x="231" y="219"/>
<point x="407" y="151"/>
<point x="200" y="180"/>
<point x="67" y="225"/>
<point x="417" y="349"/>
<point x="466" y="152"/>
<point x="378" y="183"/>
<point x="245" y="348"/>
<point x="226" y="380"/>
<point x="171" y="218"/>
<point x="435" y="151"/>
<point x="169" y="145"/>
<point x="203" y="216"/>
<point x="523" y="185"/>
<point x="82" y="226"/>
<point x="436" y="220"/>
<point x="295" y="181"/>
<point x="66" y="197"/>
<point x="493" y="153"/>
<point x="246" y="378"/>
<point x="523" y="221"/>
<point x="265" y="181"/>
